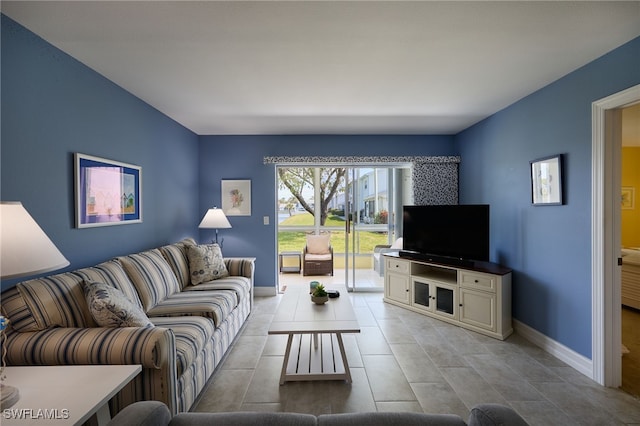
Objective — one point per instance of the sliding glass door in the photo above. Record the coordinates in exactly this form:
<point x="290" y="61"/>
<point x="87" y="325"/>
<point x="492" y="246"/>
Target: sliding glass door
<point x="357" y="207"/>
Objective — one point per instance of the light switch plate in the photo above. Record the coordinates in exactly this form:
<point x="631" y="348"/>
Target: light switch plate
<point x="265" y="220"/>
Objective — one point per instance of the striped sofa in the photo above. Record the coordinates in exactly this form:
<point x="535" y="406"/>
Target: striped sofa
<point x="50" y="322"/>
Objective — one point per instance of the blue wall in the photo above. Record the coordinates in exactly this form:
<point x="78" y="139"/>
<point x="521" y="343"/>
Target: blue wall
<point x="549" y="248"/>
<point x="241" y="157"/>
<point x="53" y="106"/>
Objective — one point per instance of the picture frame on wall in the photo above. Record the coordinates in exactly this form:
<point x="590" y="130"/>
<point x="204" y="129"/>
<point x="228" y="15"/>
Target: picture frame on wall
<point x="627" y="200"/>
<point x="107" y="192"/>
<point x="236" y="197"/>
<point x="546" y="181"/>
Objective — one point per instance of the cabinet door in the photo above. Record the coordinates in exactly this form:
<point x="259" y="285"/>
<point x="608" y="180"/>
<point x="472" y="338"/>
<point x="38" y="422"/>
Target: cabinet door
<point x="446" y="300"/>
<point x="397" y="287"/>
<point x="478" y="308"/>
<point x="423" y="296"/>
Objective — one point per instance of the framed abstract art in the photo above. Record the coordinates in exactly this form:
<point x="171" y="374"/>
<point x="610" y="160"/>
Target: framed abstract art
<point x="107" y="192"/>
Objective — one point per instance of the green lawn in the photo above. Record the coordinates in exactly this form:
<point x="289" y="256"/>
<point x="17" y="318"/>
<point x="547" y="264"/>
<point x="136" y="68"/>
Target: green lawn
<point x="295" y="241"/>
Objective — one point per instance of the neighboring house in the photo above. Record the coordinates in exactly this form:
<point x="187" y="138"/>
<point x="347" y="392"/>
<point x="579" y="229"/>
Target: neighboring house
<point x="53" y="106"/>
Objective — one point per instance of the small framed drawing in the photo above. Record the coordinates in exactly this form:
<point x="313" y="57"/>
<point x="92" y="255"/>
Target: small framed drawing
<point x="236" y="197"/>
<point x="107" y="192"/>
<point x="627" y="201"/>
<point x="546" y="181"/>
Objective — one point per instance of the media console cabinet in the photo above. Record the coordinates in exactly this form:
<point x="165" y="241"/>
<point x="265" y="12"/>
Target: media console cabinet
<point x="476" y="296"/>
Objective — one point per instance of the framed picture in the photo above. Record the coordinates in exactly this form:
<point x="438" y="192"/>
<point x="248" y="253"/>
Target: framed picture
<point x="107" y="192"/>
<point x="627" y="201"/>
<point x="546" y="181"/>
<point x="236" y="197"/>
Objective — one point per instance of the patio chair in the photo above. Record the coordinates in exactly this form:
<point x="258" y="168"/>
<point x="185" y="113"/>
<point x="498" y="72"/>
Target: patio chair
<point x="317" y="257"/>
<point x="379" y="250"/>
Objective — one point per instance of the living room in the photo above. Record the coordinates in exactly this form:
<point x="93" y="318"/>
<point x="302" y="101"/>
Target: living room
<point x="53" y="105"/>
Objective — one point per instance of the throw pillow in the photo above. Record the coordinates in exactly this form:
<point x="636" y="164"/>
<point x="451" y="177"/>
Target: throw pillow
<point x="318" y="244"/>
<point x="111" y="308"/>
<point x="206" y="263"/>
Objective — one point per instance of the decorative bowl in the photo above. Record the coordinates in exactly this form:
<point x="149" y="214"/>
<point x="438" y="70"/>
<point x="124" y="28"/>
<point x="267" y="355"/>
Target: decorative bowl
<point x="319" y="300"/>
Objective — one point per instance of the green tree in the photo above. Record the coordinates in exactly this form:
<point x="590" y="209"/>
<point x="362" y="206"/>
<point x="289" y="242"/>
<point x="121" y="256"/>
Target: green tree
<point x="297" y="179"/>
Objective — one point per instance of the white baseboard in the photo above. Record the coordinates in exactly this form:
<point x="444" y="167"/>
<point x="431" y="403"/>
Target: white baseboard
<point x="579" y="362"/>
<point x="264" y="291"/>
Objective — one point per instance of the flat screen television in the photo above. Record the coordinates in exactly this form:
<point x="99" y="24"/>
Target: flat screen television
<point x="447" y="232"/>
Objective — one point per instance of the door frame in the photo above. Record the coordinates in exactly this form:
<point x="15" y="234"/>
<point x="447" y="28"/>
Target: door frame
<point x="605" y="237"/>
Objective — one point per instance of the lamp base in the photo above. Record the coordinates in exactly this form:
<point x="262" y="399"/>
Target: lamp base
<point x="10" y="395"/>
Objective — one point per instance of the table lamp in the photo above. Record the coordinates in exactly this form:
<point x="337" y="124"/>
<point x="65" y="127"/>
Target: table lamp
<point x="24" y="250"/>
<point x="215" y="218"/>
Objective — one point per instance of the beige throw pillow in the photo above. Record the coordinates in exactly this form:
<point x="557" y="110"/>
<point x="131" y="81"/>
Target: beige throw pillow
<point x="109" y="307"/>
<point x="206" y="263"/>
<point x="318" y="244"/>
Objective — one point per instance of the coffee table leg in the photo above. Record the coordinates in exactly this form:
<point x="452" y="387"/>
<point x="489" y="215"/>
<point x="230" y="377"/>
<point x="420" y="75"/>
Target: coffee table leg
<point x="347" y="372"/>
<point x="286" y="359"/>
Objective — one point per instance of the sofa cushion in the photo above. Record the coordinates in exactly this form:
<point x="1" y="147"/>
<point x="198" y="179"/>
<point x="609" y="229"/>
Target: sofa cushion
<point x="176" y="257"/>
<point x="151" y="275"/>
<point x="206" y="263"/>
<point x="244" y="419"/>
<point x="111" y="308"/>
<point x="111" y="273"/>
<point x="390" y="418"/>
<point x="317" y="256"/>
<point x="56" y="301"/>
<point x="191" y="333"/>
<point x="216" y="305"/>
<point x="241" y="286"/>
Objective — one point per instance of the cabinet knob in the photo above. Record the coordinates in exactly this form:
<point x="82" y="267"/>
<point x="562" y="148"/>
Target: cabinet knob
<point x="460" y="305"/>
<point x="475" y="281"/>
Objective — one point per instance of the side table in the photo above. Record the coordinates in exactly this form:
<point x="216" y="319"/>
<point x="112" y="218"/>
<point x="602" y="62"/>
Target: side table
<point x="290" y="254"/>
<point x="65" y="394"/>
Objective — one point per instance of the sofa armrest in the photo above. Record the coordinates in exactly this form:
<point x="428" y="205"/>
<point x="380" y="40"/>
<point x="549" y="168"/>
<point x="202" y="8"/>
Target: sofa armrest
<point x="151" y="347"/>
<point x="380" y="248"/>
<point x="494" y="415"/>
<point x="240" y="266"/>
<point x="154" y="348"/>
<point x="143" y="413"/>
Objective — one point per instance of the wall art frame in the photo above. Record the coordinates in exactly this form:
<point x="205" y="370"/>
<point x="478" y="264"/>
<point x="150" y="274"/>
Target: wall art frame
<point x="107" y="192"/>
<point x="628" y="198"/>
<point x="546" y="181"/>
<point x="236" y="197"/>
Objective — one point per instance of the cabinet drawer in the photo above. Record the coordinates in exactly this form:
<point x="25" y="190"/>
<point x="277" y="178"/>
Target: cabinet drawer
<point x="398" y="266"/>
<point x="478" y="281"/>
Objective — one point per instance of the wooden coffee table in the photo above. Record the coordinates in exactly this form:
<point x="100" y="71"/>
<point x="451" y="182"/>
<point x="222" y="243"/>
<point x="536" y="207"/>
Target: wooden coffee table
<point x="315" y="350"/>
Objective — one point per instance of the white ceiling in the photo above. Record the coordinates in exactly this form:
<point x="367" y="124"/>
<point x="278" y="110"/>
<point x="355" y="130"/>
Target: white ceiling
<point x="369" y="67"/>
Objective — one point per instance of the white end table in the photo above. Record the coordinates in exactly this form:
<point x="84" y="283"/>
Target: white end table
<point x="64" y="394"/>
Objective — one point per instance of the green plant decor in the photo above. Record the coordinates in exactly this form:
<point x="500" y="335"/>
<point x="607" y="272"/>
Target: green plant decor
<point x="319" y="291"/>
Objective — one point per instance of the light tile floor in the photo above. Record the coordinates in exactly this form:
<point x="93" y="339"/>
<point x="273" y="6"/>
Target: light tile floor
<point x="404" y="361"/>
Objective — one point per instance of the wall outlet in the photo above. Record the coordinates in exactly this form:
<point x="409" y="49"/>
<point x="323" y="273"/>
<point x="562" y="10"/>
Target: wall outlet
<point x="265" y="220"/>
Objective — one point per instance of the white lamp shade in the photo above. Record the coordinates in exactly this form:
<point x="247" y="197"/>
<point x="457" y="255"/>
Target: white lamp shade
<point x="24" y="247"/>
<point x="215" y="218"/>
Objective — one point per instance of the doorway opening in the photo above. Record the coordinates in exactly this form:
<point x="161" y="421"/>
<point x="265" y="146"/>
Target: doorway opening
<point x="606" y="236"/>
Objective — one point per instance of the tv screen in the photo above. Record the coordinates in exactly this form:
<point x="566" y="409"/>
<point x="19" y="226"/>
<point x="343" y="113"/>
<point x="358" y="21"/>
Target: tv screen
<point x="453" y="231"/>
